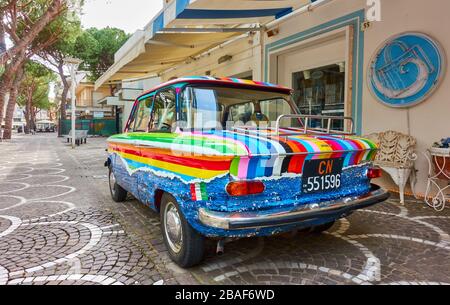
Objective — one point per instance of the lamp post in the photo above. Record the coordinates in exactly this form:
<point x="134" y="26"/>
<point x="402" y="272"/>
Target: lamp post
<point x="73" y="64"/>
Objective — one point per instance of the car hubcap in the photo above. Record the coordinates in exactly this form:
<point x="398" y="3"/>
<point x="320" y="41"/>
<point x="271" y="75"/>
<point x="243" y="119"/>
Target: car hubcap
<point x="172" y="223"/>
<point x="112" y="182"/>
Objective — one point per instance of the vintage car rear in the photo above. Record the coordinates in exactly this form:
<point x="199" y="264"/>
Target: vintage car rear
<point x="290" y="178"/>
<point x="238" y="161"/>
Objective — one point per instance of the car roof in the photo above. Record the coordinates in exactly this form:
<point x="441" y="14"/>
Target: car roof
<point x="222" y="81"/>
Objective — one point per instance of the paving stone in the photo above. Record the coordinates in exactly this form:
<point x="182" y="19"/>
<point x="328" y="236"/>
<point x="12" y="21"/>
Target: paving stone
<point x="122" y="243"/>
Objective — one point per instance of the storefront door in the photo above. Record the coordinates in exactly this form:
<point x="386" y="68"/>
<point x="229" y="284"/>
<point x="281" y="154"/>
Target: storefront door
<point x="317" y="73"/>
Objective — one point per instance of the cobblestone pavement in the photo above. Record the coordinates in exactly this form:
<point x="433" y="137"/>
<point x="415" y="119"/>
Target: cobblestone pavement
<point x="58" y="225"/>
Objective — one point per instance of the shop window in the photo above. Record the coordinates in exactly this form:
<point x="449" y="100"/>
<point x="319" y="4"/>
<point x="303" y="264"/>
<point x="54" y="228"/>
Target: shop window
<point x="321" y="91"/>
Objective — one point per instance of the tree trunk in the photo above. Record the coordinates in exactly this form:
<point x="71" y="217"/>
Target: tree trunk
<point x="12" y="103"/>
<point x="28" y="103"/>
<point x="5" y="85"/>
<point x="33" y="117"/>
<point x="6" y="82"/>
<point x="64" y="103"/>
<point x="5" y="79"/>
<point x="65" y="90"/>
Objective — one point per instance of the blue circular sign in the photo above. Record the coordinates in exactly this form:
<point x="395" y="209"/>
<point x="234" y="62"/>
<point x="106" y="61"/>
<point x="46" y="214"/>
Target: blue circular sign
<point x="406" y="70"/>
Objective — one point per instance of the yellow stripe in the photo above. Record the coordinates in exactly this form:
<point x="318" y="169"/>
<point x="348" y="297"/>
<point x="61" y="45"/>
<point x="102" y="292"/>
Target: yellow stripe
<point x="180" y="169"/>
<point x="322" y="145"/>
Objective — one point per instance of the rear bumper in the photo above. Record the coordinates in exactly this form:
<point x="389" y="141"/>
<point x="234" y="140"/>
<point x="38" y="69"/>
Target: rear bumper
<point x="261" y="219"/>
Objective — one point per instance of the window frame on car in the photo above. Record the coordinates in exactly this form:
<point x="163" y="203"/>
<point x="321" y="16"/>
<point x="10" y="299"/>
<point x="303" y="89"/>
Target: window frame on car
<point x="176" y="115"/>
<point x="189" y="122"/>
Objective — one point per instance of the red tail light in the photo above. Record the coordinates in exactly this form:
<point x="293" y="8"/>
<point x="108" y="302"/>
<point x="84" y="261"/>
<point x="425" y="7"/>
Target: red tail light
<point x="243" y="188"/>
<point x="374" y="173"/>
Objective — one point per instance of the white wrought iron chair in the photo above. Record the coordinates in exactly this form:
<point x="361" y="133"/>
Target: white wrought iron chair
<point x="396" y="156"/>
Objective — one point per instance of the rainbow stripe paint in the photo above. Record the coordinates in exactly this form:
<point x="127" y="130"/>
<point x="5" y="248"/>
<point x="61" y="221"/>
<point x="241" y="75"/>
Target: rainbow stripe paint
<point x="223" y="80"/>
<point x="202" y="156"/>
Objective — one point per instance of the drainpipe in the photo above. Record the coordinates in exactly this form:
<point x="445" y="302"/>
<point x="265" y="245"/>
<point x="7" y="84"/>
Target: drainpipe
<point x="303" y="9"/>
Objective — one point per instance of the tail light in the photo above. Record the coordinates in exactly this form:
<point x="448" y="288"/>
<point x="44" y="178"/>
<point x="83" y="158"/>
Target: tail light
<point x="244" y="188"/>
<point x="374" y="173"/>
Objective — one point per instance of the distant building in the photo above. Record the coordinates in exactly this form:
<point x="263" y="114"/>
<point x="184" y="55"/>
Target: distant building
<point x="87" y="98"/>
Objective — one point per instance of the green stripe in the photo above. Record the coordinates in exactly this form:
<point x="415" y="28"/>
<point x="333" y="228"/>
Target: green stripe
<point x="223" y="146"/>
<point x="234" y="168"/>
<point x="203" y="191"/>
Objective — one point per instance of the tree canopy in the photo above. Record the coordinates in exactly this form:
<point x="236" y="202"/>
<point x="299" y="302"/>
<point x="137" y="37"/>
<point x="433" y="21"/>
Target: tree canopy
<point x="35" y="86"/>
<point x="96" y="47"/>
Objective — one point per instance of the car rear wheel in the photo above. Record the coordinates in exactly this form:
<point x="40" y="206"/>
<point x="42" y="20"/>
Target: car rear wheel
<point x="184" y="244"/>
<point x="321" y="228"/>
<point x="118" y="193"/>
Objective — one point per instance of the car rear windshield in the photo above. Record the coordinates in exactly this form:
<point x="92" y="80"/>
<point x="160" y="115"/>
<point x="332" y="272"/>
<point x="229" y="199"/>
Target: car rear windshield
<point x="228" y="108"/>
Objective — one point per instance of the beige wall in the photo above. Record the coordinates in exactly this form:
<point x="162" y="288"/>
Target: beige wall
<point x="246" y="53"/>
<point x="85" y="94"/>
<point x="428" y="121"/>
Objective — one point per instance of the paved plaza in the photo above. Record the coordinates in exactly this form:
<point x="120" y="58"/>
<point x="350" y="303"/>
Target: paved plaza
<point x="58" y="225"/>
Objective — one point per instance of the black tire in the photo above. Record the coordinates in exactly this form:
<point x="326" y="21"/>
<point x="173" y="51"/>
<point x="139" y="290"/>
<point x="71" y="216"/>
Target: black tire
<point x="323" y="227"/>
<point x="188" y="247"/>
<point x="118" y="193"/>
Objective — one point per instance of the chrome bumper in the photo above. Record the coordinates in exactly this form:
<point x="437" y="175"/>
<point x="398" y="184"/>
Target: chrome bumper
<point x="260" y="219"/>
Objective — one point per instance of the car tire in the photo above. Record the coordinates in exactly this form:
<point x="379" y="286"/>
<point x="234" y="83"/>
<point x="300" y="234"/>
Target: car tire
<point x="186" y="246"/>
<point x="321" y="228"/>
<point x="118" y="193"/>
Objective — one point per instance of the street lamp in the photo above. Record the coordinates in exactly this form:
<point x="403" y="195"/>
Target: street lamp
<point x="73" y="64"/>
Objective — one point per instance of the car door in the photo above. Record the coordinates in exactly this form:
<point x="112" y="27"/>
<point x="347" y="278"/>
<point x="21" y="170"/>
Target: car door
<point x="137" y="124"/>
<point x="161" y="124"/>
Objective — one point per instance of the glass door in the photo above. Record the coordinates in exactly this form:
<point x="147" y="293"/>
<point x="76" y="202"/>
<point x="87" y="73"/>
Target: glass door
<point x="321" y="91"/>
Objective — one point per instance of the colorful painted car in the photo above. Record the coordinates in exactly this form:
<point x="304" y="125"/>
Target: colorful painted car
<point x="227" y="158"/>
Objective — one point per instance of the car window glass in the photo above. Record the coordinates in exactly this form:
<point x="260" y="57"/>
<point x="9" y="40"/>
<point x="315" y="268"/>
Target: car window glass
<point x="240" y="112"/>
<point x="206" y="109"/>
<point x="164" y="111"/>
<point x="142" y="116"/>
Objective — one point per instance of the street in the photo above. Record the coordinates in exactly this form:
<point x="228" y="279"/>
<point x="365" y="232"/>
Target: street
<point x="59" y="225"/>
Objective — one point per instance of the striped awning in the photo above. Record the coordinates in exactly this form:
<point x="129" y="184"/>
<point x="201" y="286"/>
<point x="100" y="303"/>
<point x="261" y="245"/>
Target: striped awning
<point x="186" y="28"/>
<point x="222" y="12"/>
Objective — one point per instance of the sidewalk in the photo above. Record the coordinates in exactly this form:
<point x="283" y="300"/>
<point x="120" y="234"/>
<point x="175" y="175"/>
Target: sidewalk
<point x="58" y="225"/>
<point x="55" y="224"/>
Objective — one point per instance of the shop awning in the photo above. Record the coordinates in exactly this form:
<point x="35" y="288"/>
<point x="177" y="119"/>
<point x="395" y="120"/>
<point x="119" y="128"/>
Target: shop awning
<point x="163" y="51"/>
<point x="186" y="28"/>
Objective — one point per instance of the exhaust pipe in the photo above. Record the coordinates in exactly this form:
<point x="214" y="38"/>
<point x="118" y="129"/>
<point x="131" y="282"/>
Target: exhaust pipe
<point x="220" y="247"/>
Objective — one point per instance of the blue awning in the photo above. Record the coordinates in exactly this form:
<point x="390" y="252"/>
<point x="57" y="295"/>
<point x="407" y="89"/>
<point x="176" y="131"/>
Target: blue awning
<point x="186" y="28"/>
<point x="204" y="13"/>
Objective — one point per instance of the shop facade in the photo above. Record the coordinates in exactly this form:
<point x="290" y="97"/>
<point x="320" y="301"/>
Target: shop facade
<point x="325" y="51"/>
<point x="335" y="35"/>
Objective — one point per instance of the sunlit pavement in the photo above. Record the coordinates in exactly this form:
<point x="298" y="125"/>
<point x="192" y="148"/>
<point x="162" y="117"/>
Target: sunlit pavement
<point x="58" y="225"/>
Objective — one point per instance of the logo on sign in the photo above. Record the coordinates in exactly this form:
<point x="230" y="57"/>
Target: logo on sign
<point x="406" y="69"/>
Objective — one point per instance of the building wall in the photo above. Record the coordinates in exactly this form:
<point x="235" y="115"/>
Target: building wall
<point x="246" y="56"/>
<point x="131" y="90"/>
<point x="85" y="94"/>
<point x="427" y="122"/>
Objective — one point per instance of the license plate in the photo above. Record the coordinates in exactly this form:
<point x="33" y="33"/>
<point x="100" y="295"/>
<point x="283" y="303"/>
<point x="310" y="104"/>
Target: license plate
<point x="322" y="175"/>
